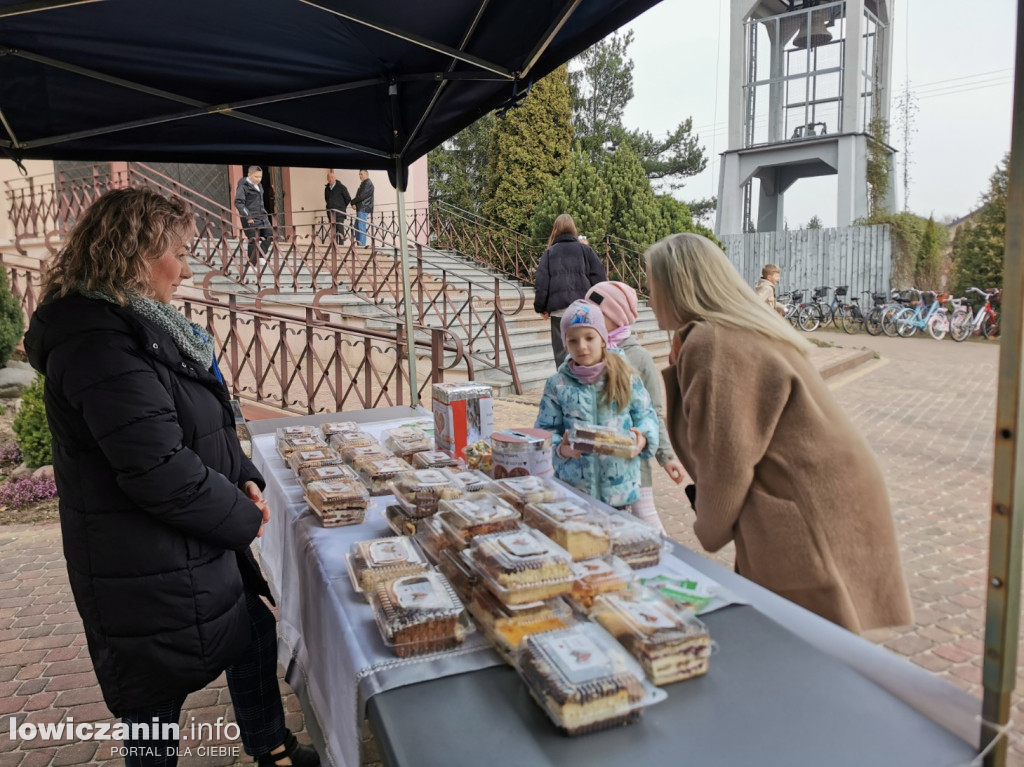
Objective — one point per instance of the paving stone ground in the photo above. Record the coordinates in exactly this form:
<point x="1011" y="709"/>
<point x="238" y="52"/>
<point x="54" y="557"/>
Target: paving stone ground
<point x="926" y="407"/>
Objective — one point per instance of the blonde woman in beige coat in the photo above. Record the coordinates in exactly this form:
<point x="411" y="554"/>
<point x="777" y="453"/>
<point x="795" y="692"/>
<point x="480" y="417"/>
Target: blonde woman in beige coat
<point x="777" y="466"/>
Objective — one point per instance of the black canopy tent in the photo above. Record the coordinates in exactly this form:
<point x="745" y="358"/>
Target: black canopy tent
<point x="316" y="83"/>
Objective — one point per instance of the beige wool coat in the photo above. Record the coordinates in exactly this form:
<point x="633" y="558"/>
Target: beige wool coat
<point x="780" y="470"/>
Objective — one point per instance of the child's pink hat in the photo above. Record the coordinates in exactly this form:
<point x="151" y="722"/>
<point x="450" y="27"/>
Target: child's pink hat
<point x="617" y="301"/>
<point x="586" y="314"/>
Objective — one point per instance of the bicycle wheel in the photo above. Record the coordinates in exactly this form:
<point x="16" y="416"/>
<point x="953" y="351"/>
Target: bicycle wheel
<point x="808" y="318"/>
<point x="960" y="326"/>
<point x="849" y="319"/>
<point x="905" y="326"/>
<point x="873" y="322"/>
<point x="827" y="315"/>
<point x="938" y="325"/>
<point x="990" y="327"/>
<point x="889" y="321"/>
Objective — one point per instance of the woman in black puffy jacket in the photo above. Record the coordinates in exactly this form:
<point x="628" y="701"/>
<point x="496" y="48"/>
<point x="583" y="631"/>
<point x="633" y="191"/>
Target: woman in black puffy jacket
<point x="567" y="270"/>
<point x="158" y="504"/>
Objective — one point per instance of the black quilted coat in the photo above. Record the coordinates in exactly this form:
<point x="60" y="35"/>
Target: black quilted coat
<point x="156" y="530"/>
<point x="567" y="270"/>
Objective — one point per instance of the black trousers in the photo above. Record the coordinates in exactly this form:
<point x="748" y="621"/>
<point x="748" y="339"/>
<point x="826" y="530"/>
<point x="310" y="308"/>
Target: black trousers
<point x="266" y="238"/>
<point x="338" y="219"/>
<point x="556" y="341"/>
<point x="252" y="681"/>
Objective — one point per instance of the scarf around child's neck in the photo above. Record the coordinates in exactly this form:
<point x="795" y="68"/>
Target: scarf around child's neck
<point x="617" y="336"/>
<point x="588" y="374"/>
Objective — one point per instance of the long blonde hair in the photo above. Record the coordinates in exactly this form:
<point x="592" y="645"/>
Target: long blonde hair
<point x="112" y="242"/>
<point x="692" y="278"/>
<point x="563" y="225"/>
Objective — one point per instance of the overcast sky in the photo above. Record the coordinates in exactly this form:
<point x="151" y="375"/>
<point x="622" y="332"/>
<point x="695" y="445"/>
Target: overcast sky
<point x="958" y="57"/>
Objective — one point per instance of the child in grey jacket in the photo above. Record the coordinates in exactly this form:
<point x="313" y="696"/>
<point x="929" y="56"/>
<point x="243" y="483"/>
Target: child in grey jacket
<point x="618" y="303"/>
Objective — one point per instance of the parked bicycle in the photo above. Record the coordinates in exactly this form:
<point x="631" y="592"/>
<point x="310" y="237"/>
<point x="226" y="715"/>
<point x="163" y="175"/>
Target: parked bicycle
<point x="928" y="315"/>
<point x="821" y="312"/>
<point x="964" y="321"/>
<point x="900" y="300"/>
<point x="852" y="319"/>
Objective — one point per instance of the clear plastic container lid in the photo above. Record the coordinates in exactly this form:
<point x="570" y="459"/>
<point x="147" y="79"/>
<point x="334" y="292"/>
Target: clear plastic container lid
<point x="580" y="530"/>
<point x="583" y="679"/>
<point x="326" y="473"/>
<point x="433" y="459"/>
<point x="430" y="537"/>
<point x="459" y="572"/>
<point x="520" y="491"/>
<point x="378" y="472"/>
<point x="602" y="575"/>
<point x="419" y="492"/>
<point x="636" y="542"/>
<point x="507" y="625"/>
<point x="353" y="454"/>
<point x="472" y="481"/>
<point x="305" y="459"/>
<point x="337" y="427"/>
<point x="289" y="444"/>
<point x="670" y="644"/>
<point x="296" y="431"/>
<point x="406" y="440"/>
<point x="604" y="440"/>
<point x="521" y="566"/>
<point x="520" y="440"/>
<point x="370" y="562"/>
<point x="446" y="393"/>
<point x="344" y="439"/>
<point x="401" y="524"/>
<point x="465" y="518"/>
<point x="419" y="614"/>
<point x="336" y="494"/>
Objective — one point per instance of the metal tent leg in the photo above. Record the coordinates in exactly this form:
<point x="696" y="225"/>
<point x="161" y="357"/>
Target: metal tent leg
<point x="410" y="330"/>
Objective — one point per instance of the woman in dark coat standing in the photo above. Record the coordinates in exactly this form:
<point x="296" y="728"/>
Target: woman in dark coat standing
<point x="567" y="270"/>
<point x="158" y="504"/>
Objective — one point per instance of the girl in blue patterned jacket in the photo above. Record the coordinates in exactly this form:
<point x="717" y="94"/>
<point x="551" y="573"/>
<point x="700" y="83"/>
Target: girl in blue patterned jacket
<point x="597" y="386"/>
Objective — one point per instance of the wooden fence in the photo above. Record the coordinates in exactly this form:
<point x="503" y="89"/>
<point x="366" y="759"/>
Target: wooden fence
<point x="858" y="256"/>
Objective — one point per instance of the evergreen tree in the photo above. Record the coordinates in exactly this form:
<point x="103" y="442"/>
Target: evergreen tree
<point x="457" y="170"/>
<point x="814" y="223"/>
<point x="929" y="254"/>
<point x="581" y="192"/>
<point x="530" y="145"/>
<point x="636" y="214"/>
<point x="677" y="217"/>
<point x="12" y="320"/>
<point x="978" y="247"/>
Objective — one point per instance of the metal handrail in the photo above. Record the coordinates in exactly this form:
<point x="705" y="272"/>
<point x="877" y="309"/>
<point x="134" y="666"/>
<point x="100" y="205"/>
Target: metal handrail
<point x="294" y="361"/>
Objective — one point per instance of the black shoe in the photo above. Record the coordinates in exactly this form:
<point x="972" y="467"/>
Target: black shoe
<point x="301" y="756"/>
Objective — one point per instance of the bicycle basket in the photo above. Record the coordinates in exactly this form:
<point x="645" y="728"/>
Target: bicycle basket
<point x="880" y="299"/>
<point x="927" y="297"/>
<point x="798" y="297"/>
<point x="820" y="293"/>
<point x="841" y="291"/>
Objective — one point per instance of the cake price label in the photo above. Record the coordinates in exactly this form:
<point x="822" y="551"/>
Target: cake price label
<point x="388" y="552"/>
<point x="312" y="455"/>
<point x="476" y="512"/>
<point x="522" y="545"/>
<point x="420" y="592"/>
<point x="326" y="472"/>
<point x="578" y="658"/>
<point x="299" y="441"/>
<point x="647" y="615"/>
<point x="564" y="510"/>
<point x="592" y="568"/>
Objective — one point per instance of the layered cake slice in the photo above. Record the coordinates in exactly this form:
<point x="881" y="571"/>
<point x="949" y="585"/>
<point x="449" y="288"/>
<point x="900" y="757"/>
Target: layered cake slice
<point x="671" y="645"/>
<point x="603" y="440"/>
<point x="342" y="439"/>
<point x="508" y="625"/>
<point x="419" y="492"/>
<point x="636" y="543"/>
<point x="378" y="473"/>
<point x="418" y="614"/>
<point x="288" y="444"/>
<point x="326" y="473"/>
<point x="330" y="428"/>
<point x="594" y="577"/>
<point x="465" y="519"/>
<point x="521" y="566"/>
<point x="337" y="502"/>
<point x="353" y="454"/>
<point x="581" y="531"/>
<point x="519" y="491"/>
<point x="582" y="678"/>
<point x="307" y="459"/>
<point x="405" y="441"/>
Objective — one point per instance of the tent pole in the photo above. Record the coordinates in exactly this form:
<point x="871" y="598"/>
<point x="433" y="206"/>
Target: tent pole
<point x="403" y="246"/>
<point x="1002" y="609"/>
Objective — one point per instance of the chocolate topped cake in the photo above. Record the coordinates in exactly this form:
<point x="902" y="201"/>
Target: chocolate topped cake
<point x="418" y="614"/>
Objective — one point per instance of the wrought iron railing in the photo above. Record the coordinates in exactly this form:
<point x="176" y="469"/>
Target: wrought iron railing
<point x="301" y="258"/>
<point x="297" y="361"/>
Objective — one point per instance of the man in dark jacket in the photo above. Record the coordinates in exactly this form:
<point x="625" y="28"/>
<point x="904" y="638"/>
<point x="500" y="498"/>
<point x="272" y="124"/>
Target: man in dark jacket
<point x="252" y="211"/>
<point x="363" y="203"/>
<point x="567" y="270"/>
<point x="336" y="200"/>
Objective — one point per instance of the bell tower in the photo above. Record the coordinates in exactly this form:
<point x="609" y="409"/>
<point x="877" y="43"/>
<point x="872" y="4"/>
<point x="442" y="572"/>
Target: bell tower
<point x="808" y="86"/>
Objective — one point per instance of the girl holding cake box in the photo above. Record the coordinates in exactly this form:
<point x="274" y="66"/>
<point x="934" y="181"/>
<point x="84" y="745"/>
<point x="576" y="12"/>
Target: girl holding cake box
<point x="596" y="395"/>
<point x="619" y="306"/>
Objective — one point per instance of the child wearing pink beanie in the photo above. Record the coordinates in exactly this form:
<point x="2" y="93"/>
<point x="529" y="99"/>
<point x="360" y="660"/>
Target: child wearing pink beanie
<point x="618" y="304"/>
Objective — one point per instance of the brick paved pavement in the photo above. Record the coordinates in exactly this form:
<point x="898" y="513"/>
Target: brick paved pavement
<point x="927" y="408"/>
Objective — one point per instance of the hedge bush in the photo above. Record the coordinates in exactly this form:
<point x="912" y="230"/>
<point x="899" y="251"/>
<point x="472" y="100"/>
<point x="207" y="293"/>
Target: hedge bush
<point x="12" y="321"/>
<point x="30" y="428"/>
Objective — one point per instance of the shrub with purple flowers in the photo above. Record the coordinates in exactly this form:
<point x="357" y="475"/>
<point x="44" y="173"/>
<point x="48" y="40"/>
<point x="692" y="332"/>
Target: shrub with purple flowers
<point x="10" y="453"/>
<point x="27" y="490"/>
